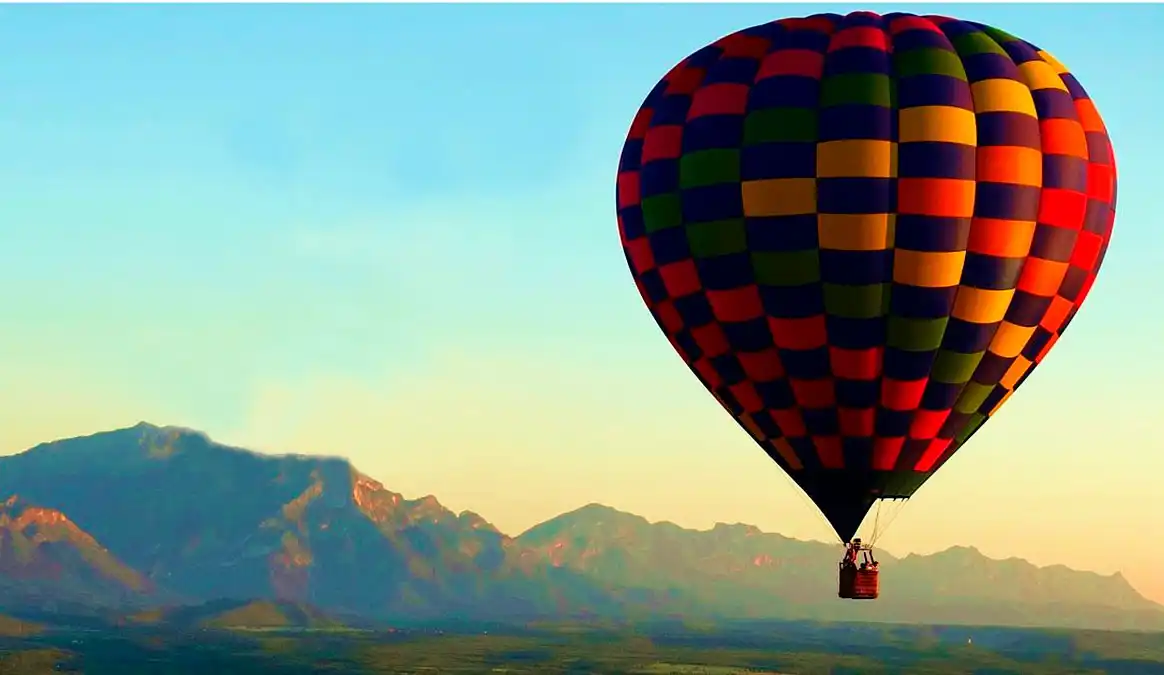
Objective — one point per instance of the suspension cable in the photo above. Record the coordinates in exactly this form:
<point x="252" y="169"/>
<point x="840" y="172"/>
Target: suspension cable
<point x="810" y="506"/>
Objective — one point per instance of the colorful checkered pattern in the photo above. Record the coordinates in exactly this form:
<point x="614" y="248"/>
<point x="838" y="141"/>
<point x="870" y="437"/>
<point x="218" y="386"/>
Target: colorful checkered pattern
<point x="863" y="232"/>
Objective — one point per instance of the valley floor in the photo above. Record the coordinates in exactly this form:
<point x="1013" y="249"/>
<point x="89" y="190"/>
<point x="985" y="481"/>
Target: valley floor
<point x="774" y="649"/>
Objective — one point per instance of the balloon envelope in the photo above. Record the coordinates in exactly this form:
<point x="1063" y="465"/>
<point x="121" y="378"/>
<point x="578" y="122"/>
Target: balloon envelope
<point x="862" y="233"/>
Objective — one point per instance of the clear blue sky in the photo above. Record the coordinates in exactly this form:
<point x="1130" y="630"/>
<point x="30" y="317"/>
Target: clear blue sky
<point x="388" y="232"/>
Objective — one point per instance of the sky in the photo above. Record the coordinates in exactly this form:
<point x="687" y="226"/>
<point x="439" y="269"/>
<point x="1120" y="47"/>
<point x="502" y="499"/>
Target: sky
<point x="388" y="233"/>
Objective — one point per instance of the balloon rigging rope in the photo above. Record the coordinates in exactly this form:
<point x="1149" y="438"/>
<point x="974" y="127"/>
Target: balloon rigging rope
<point x="808" y="504"/>
<point x="878" y="528"/>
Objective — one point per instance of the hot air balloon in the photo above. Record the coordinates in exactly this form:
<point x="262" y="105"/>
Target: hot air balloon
<point x="862" y="233"/>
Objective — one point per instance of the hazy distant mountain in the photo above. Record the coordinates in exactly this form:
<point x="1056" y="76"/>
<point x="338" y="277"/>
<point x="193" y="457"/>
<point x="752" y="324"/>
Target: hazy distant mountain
<point x="737" y="570"/>
<point x="163" y="515"/>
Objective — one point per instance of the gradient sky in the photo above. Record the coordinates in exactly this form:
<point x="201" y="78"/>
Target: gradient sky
<point x="388" y="233"/>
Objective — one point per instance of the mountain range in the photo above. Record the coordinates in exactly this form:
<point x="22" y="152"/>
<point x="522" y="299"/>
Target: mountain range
<point x="156" y="519"/>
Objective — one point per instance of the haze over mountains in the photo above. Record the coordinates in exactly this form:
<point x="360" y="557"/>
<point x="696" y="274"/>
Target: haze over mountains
<point x="150" y="517"/>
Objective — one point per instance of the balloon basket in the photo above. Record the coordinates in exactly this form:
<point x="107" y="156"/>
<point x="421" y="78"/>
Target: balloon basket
<point x="859" y="584"/>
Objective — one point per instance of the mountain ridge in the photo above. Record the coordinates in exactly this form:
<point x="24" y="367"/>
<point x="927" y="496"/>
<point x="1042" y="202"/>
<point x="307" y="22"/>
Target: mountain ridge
<point x="195" y="520"/>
